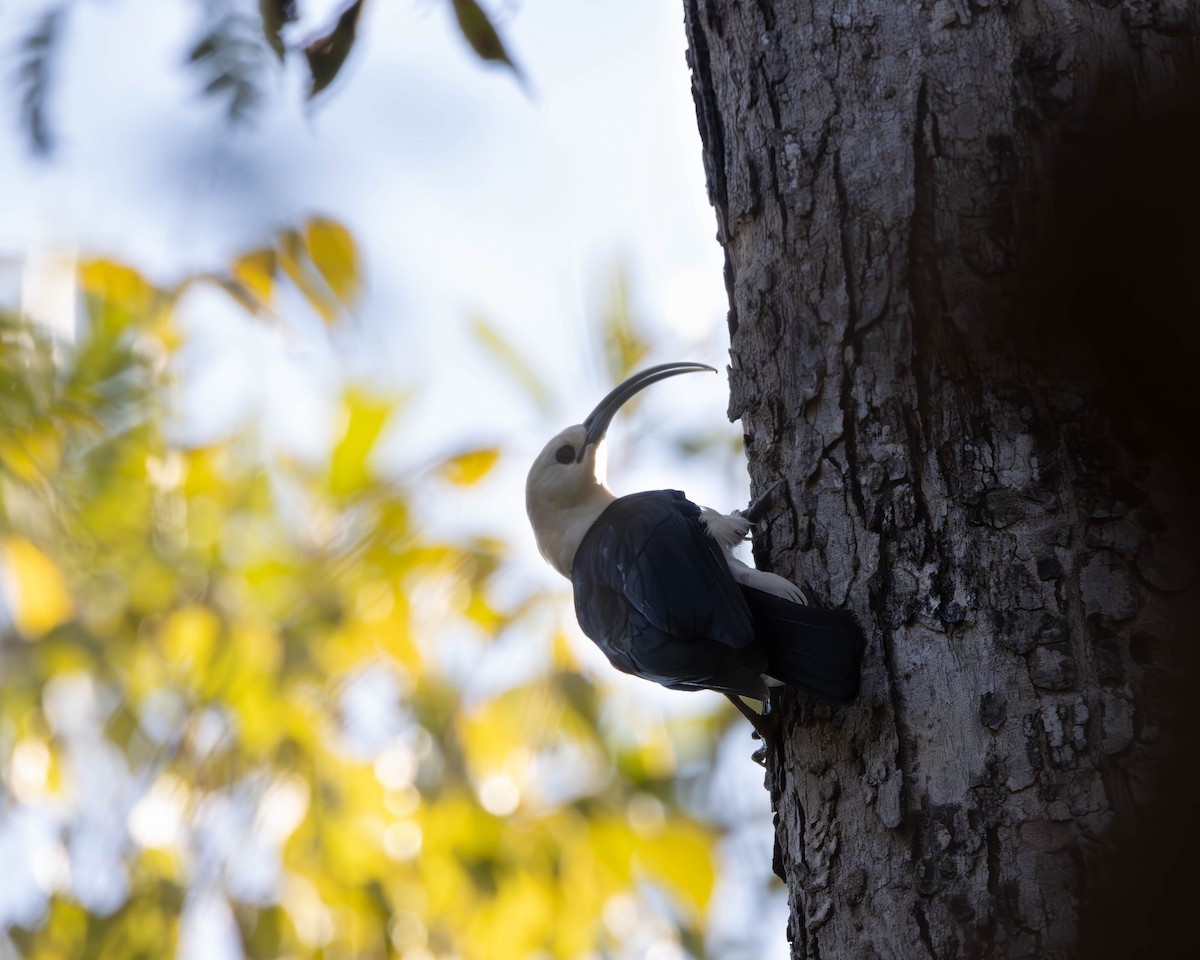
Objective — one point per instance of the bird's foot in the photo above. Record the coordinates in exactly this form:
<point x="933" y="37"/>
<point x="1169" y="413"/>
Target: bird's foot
<point x="754" y="511"/>
<point x="759" y="756"/>
<point x="764" y="727"/>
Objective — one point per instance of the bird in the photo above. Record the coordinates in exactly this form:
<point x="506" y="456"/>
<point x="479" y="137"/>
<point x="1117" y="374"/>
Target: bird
<point x="658" y="589"/>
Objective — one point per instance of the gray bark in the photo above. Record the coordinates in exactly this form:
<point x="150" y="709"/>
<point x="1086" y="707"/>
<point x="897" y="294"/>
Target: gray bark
<point x="959" y="238"/>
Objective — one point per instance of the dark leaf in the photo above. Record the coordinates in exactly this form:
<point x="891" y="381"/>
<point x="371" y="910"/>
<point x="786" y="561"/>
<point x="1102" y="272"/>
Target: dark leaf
<point x="231" y="55"/>
<point x="33" y="77"/>
<point x="275" y="15"/>
<point x="205" y="48"/>
<point x="480" y="33"/>
<point x="221" y="81"/>
<point x="327" y="54"/>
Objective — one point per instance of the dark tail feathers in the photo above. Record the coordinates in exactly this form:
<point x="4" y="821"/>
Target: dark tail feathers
<point x="819" y="651"/>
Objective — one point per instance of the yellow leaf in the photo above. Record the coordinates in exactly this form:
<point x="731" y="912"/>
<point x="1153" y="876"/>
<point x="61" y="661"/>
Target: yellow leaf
<point x="256" y="706"/>
<point x="121" y="295"/>
<point x="467" y="469"/>
<point x="113" y="281"/>
<point x="40" y="598"/>
<point x="512" y="361"/>
<point x="144" y="668"/>
<point x="332" y="249"/>
<point x="480" y="611"/>
<point x="260" y="650"/>
<point x="293" y="259"/>
<point x="190" y="637"/>
<point x="518" y="921"/>
<point x="624" y="345"/>
<point x="206" y="471"/>
<point x="680" y="856"/>
<point x="562" y="657"/>
<point x="365" y="417"/>
<point x="501" y="727"/>
<point x="33" y="452"/>
<point x="256" y="271"/>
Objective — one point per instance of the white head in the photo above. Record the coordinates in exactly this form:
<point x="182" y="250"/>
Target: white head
<point x="565" y="491"/>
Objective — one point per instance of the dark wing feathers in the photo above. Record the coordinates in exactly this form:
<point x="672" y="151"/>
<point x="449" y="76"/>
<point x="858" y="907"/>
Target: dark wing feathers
<point x="653" y="591"/>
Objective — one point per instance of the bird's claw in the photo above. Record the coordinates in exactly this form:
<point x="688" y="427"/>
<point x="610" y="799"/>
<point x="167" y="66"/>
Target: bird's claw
<point x="764" y="733"/>
<point x="763" y="723"/>
<point x="754" y="511"/>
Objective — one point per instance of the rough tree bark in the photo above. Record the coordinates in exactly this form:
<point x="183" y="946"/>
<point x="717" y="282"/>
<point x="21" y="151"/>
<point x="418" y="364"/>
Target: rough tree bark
<point x="959" y="237"/>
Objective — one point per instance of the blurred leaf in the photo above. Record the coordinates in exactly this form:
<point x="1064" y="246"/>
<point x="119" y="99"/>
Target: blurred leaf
<point x="680" y="856"/>
<point x="42" y="601"/>
<point x="335" y="255"/>
<point x="321" y="261"/>
<point x="231" y="56"/>
<point x="326" y="55"/>
<point x="481" y="34"/>
<point x="295" y="664"/>
<point x="34" y="77"/>
<point x="624" y="346"/>
<point x="190" y="638"/>
<point x="256" y="272"/>
<point x="724" y="443"/>
<point x="275" y="15"/>
<point x="295" y="261"/>
<point x="562" y="657"/>
<point x="467" y="469"/>
<point x="508" y="358"/>
<point x="365" y="417"/>
<point x="32" y="453"/>
<point x="121" y="294"/>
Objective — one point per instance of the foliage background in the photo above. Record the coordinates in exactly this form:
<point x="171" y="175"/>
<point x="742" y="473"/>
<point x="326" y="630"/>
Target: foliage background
<point x="281" y="673"/>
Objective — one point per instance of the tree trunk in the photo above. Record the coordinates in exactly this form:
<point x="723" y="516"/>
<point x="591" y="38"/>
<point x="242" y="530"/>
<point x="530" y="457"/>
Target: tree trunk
<point x="959" y="238"/>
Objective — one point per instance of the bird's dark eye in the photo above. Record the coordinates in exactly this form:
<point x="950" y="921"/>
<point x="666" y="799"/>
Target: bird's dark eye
<point x="565" y="454"/>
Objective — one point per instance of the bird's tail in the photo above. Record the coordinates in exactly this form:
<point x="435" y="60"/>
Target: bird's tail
<point x="819" y="651"/>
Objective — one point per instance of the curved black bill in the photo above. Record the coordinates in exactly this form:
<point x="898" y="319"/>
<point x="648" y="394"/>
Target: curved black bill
<point x="598" y="420"/>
